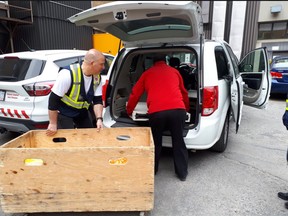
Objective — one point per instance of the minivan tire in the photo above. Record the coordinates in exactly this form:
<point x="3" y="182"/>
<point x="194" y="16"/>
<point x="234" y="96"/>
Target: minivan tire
<point x="221" y="144"/>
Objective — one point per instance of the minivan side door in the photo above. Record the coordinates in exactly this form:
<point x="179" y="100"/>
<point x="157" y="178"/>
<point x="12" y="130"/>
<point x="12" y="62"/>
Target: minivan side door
<point x="236" y="88"/>
<point x="254" y="70"/>
<point x="251" y="81"/>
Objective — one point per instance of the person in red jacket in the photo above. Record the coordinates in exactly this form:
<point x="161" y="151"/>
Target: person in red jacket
<point x="167" y="102"/>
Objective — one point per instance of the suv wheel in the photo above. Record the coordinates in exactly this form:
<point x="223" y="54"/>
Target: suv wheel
<point x="221" y="144"/>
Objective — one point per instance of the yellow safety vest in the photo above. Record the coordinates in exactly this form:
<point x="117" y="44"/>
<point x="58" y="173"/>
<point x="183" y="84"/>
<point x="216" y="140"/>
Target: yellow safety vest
<point x="287" y="104"/>
<point x="73" y="98"/>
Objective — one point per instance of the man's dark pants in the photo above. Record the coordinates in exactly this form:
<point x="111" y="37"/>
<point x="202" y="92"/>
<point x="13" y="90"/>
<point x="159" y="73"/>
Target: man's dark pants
<point x="174" y="121"/>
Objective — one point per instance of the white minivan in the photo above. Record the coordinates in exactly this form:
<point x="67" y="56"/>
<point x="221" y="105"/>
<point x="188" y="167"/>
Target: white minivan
<point x="218" y="84"/>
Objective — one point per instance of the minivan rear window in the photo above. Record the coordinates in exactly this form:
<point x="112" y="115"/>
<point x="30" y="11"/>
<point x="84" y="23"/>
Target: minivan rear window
<point x="163" y="23"/>
<point x="13" y="69"/>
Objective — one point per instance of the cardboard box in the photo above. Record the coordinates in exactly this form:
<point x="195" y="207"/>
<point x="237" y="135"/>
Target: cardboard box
<point x="78" y="170"/>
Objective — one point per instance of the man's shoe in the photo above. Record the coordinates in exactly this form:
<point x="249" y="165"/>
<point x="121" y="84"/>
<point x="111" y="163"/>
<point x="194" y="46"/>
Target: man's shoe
<point x="283" y="196"/>
<point x="155" y="170"/>
<point x="286" y="205"/>
<point x="182" y="178"/>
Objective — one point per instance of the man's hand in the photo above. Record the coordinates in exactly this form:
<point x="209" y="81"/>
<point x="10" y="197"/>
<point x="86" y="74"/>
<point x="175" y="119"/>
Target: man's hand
<point x="99" y="124"/>
<point x="51" y="130"/>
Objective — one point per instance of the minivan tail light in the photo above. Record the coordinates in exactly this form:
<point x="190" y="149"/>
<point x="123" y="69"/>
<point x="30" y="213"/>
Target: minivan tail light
<point x="276" y="75"/>
<point x="38" y="89"/>
<point x="210" y="100"/>
<point x="104" y="90"/>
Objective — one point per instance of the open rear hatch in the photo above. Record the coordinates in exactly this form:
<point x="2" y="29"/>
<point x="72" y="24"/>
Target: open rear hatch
<point x="139" y="23"/>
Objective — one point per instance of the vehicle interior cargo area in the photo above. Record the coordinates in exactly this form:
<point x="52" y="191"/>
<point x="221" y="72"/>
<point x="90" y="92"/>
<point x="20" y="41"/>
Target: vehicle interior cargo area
<point x="140" y="113"/>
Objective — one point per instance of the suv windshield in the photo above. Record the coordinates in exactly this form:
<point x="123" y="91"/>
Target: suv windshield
<point x="13" y="69"/>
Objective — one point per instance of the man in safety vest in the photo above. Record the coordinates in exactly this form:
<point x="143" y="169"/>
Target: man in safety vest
<point x="285" y="116"/>
<point x="282" y="195"/>
<point x="77" y="87"/>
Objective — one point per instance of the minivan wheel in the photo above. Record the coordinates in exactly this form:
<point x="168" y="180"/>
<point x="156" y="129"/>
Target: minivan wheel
<point x="221" y="144"/>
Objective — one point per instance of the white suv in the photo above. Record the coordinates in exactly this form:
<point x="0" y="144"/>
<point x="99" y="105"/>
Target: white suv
<point x="26" y="79"/>
<point x="217" y="82"/>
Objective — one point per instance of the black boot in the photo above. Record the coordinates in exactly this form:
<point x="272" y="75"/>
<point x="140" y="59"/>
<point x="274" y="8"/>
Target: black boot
<point x="283" y="196"/>
<point x="286" y="205"/>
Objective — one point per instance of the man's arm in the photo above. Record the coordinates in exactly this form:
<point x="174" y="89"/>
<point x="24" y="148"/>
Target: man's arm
<point x="52" y="127"/>
<point x="98" y="111"/>
<point x="53" y="105"/>
<point x="184" y="93"/>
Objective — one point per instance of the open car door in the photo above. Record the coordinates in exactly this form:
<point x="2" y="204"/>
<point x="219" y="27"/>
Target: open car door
<point x="254" y="70"/>
<point x="252" y="85"/>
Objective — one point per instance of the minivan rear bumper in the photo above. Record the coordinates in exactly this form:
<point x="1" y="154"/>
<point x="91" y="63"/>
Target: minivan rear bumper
<point x="200" y="138"/>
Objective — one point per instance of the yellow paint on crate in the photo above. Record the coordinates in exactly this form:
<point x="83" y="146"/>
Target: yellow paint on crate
<point x="119" y="161"/>
<point x="33" y="162"/>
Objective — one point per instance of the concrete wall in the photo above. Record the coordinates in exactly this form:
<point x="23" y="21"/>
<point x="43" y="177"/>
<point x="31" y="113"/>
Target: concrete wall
<point x="275" y="47"/>
<point x="265" y="14"/>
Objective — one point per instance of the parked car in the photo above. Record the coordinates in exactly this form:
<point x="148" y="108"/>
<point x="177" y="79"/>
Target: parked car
<point x="26" y="79"/>
<point x="217" y="82"/>
<point x="279" y="73"/>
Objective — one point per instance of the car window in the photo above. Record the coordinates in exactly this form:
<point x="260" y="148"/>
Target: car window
<point x="281" y="60"/>
<point x="186" y="64"/>
<point x="234" y="59"/>
<point x="148" y="63"/>
<point x="108" y="62"/>
<point x="281" y="65"/>
<point x="164" y="23"/>
<point x="221" y="62"/>
<point x="253" y="62"/>
<point x="65" y="62"/>
<point x="13" y="69"/>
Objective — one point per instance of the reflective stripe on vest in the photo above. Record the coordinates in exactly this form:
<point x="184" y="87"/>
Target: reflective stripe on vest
<point x="72" y="99"/>
<point x="286" y="104"/>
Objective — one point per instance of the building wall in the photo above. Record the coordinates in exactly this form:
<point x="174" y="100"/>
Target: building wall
<point x="265" y="11"/>
<point x="251" y="27"/>
<point x="230" y="29"/>
<point x="275" y="47"/>
<point x="51" y="29"/>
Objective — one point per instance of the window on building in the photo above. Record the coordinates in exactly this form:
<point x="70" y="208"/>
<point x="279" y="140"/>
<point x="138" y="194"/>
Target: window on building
<point x="275" y="30"/>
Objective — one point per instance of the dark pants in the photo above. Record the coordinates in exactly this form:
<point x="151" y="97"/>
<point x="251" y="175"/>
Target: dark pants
<point x="83" y="120"/>
<point x="174" y="121"/>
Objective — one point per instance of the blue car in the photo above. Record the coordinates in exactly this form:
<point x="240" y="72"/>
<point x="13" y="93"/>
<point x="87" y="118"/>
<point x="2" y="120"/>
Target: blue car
<point x="279" y="73"/>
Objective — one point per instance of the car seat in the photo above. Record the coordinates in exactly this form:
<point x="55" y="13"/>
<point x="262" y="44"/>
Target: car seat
<point x="174" y="62"/>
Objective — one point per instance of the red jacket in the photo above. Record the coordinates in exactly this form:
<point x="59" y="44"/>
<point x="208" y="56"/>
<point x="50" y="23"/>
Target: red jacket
<point x="164" y="87"/>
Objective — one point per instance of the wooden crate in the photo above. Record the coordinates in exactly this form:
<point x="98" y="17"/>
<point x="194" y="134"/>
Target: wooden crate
<point x="78" y="170"/>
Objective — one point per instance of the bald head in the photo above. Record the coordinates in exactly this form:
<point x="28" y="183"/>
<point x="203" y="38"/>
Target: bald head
<point x="93" y="55"/>
<point x="94" y="62"/>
